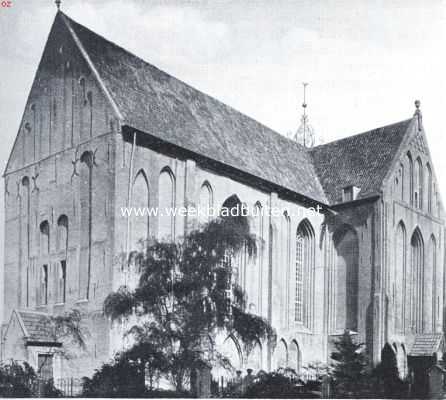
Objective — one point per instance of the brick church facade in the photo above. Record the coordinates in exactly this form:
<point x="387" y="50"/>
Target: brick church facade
<point x="102" y="129"/>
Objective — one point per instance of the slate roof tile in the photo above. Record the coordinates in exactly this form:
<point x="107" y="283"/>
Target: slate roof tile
<point x="361" y="160"/>
<point x="426" y="344"/>
<point x="156" y="103"/>
<point x="37" y="325"/>
<point x="160" y="105"/>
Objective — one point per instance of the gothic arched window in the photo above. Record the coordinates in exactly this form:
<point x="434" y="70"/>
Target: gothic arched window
<point x="304" y="264"/>
<point x="429" y="187"/>
<point x="62" y="246"/>
<point x="44" y="285"/>
<point x="25" y="212"/>
<point x="166" y="204"/>
<point x="398" y="279"/>
<point x="62" y="233"/>
<point x="401" y="173"/>
<point x="86" y="205"/>
<point x="417" y="270"/>
<point x="418" y="177"/>
<point x="410" y="176"/>
<point x="431" y="291"/>
<point x="286" y="261"/>
<point x="44" y="238"/>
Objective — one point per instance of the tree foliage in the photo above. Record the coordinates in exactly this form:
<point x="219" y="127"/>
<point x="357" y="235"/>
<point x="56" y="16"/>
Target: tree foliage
<point x="20" y="380"/>
<point x="187" y="294"/>
<point x="351" y="369"/>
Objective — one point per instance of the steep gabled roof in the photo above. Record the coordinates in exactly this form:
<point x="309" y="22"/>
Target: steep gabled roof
<point x="426" y="344"/>
<point x="158" y="104"/>
<point x="361" y="160"/>
<point x="36" y="326"/>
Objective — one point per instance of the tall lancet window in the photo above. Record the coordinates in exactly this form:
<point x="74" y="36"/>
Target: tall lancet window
<point x="418" y="177"/>
<point x="285" y="262"/>
<point x="429" y="188"/>
<point x="431" y="291"/>
<point x="398" y="279"/>
<point x="44" y="251"/>
<point x="25" y="210"/>
<point x="304" y="264"/>
<point x="139" y="220"/>
<point x="410" y="178"/>
<point x="402" y="186"/>
<point x="62" y="247"/>
<point x="86" y="203"/>
<point x="417" y="272"/>
<point x="44" y="238"/>
<point x="166" y="204"/>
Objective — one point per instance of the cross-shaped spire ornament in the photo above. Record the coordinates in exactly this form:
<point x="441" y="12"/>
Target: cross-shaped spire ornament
<point x="58" y="4"/>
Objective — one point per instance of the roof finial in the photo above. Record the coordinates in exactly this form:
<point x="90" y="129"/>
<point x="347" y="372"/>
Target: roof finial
<point x="418" y="114"/>
<point x="58" y="4"/>
<point x="305" y="134"/>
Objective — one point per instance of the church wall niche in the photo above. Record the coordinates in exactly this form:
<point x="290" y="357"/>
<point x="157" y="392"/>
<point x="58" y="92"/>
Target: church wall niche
<point x="281" y="354"/>
<point x="346" y="269"/>
<point x="416" y="280"/>
<point x="140" y="199"/>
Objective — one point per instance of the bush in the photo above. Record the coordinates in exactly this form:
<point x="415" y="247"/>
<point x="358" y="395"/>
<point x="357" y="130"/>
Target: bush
<point x="122" y="377"/>
<point x="351" y="371"/>
<point x="283" y="383"/>
<point x="20" y="380"/>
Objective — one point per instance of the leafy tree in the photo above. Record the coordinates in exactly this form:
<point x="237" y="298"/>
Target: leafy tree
<point x="351" y="371"/>
<point x="187" y="294"/>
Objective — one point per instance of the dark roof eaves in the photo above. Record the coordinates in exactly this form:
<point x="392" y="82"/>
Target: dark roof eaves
<point x="208" y="160"/>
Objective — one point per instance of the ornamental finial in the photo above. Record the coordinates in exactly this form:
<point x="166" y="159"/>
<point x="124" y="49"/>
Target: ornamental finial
<point x="58" y="4"/>
<point x="418" y="114"/>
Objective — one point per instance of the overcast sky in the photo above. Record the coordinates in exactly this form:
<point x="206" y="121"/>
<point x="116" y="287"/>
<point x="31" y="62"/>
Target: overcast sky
<point x="366" y="61"/>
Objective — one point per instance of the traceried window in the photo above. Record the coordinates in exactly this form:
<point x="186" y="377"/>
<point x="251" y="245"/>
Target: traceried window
<point x="303" y="273"/>
<point x="299" y="298"/>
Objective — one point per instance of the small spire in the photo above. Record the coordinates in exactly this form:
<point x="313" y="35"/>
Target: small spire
<point x="418" y="114"/>
<point x="58" y="4"/>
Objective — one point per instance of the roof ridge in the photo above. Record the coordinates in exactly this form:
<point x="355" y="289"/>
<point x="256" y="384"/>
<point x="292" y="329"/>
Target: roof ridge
<point x="370" y="131"/>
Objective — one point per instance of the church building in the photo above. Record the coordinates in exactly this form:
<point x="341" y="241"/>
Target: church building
<point x="102" y="130"/>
